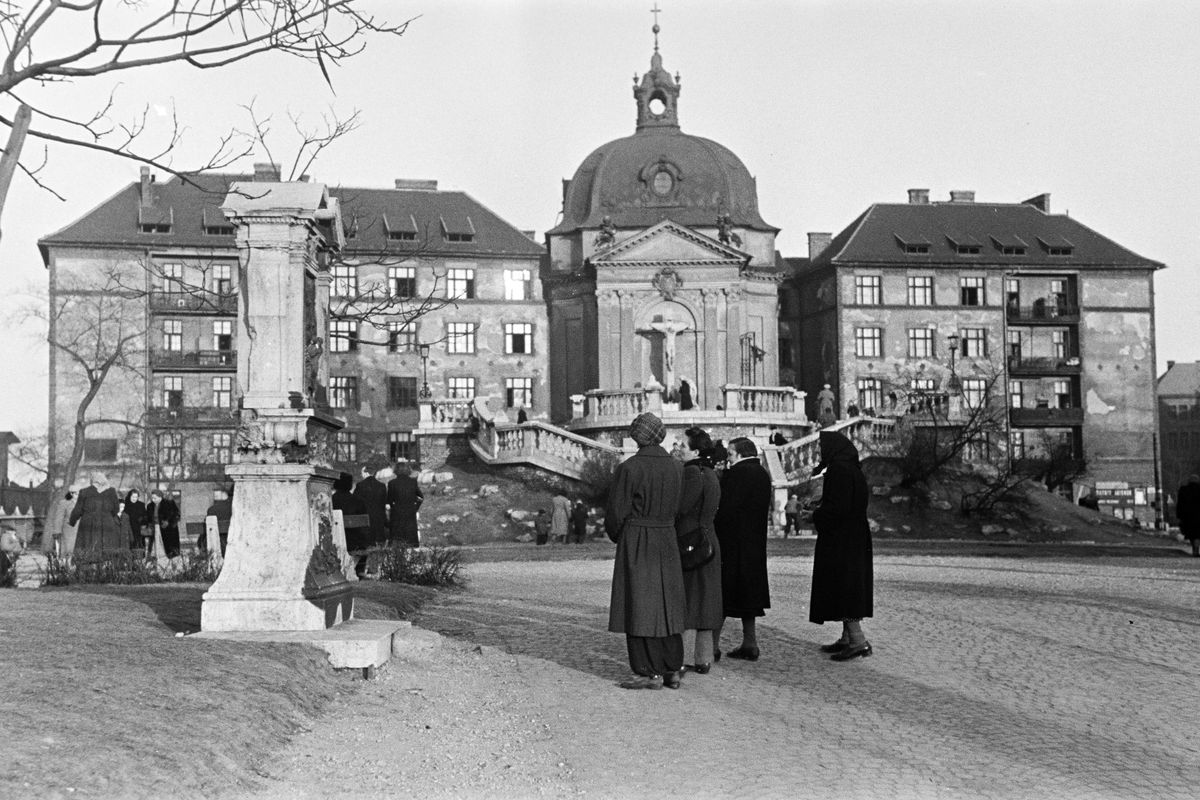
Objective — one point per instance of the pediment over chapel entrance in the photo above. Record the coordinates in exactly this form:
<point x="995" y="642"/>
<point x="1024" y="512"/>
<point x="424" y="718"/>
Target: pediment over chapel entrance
<point x="669" y="243"/>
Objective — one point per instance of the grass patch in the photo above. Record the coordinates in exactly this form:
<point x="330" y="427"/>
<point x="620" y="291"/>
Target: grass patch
<point x="103" y="699"/>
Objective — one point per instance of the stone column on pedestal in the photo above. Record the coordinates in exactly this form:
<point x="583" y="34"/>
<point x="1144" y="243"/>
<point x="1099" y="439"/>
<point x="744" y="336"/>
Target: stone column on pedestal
<point x="283" y="566"/>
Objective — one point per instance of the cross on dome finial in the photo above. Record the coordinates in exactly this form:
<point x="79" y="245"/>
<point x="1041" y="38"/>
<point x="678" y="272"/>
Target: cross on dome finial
<point x="656" y="11"/>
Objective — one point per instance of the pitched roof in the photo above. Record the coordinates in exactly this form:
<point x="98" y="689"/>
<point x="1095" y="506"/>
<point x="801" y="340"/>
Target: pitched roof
<point x="190" y="208"/>
<point x="1180" y="380"/>
<point x="880" y="236"/>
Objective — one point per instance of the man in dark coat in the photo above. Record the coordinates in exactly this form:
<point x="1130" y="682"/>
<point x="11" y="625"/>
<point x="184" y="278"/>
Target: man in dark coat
<point x="741" y="523"/>
<point x="357" y="538"/>
<point x="222" y="509"/>
<point x="372" y="493"/>
<point x="579" y="519"/>
<point x="165" y="512"/>
<point x="1187" y="511"/>
<point x="648" y="603"/>
<point x="404" y="499"/>
<point x="842" y="583"/>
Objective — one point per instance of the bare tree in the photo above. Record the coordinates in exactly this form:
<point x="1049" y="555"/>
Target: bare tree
<point x="53" y="42"/>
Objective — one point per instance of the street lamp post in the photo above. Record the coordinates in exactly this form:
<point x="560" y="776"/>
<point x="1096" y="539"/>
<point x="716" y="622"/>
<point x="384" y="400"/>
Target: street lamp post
<point x="953" y="386"/>
<point x="425" y="392"/>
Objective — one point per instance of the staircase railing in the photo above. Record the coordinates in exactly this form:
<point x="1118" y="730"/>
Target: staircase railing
<point x="540" y="444"/>
<point x="797" y="459"/>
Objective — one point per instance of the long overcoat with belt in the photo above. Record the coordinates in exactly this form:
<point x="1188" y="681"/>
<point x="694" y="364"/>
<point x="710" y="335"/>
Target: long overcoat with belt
<point x="647" y="588"/>
<point x="842" y="583"/>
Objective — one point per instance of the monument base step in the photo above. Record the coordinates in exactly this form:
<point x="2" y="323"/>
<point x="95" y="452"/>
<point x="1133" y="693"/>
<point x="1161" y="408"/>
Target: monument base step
<point x="363" y="644"/>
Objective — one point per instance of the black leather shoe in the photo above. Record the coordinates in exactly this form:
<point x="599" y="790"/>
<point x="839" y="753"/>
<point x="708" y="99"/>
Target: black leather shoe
<point x="701" y="669"/>
<point x="745" y="653"/>
<point x="852" y="651"/>
<point x="836" y="647"/>
<point x="642" y="682"/>
<point x="671" y="680"/>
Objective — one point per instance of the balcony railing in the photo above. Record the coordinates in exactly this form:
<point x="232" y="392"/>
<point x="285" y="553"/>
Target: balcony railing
<point x="195" y="359"/>
<point x="1047" y="310"/>
<point x="1046" y="416"/>
<point x="184" y="416"/>
<point x="1054" y="365"/>
<point x="196" y="301"/>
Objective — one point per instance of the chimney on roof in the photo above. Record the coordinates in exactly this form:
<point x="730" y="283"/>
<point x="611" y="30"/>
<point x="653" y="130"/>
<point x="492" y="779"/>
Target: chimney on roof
<point x="1041" y="202"/>
<point x="266" y="172"/>
<point x="817" y="243"/>
<point x="962" y="195"/>
<point x="147" y="197"/>
<point x="918" y="197"/>
<point x="416" y="184"/>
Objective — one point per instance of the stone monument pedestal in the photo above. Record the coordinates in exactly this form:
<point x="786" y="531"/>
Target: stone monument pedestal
<point x="282" y="568"/>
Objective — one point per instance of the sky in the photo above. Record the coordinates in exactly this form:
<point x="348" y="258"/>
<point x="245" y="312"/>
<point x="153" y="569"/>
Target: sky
<point x="831" y="105"/>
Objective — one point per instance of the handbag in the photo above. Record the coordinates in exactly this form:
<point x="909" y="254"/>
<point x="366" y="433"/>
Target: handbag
<point x="694" y="549"/>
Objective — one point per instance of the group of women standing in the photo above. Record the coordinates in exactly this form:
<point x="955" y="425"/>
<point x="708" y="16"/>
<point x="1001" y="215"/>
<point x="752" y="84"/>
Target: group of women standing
<point x="103" y="525"/>
<point x="669" y="614"/>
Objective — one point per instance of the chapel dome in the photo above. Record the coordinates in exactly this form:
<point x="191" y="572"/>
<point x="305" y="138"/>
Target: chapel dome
<point x="660" y="172"/>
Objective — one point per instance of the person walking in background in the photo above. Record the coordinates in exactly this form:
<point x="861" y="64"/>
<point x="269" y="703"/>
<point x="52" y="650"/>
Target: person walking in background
<point x="57" y="524"/>
<point x="685" y="395"/>
<point x="560" y="518"/>
<point x="698" y="503"/>
<point x="1187" y="511"/>
<point x="358" y="538"/>
<point x="135" y="513"/>
<point x="221" y="508"/>
<point x="95" y="513"/>
<point x="165" y="512"/>
<point x="372" y="493"/>
<point x="541" y="527"/>
<point x="842" y="582"/>
<point x="404" y="500"/>
<point x="579" y="520"/>
<point x="791" y="514"/>
<point x="826" y="401"/>
<point x="648" y="603"/>
<point x="741" y="524"/>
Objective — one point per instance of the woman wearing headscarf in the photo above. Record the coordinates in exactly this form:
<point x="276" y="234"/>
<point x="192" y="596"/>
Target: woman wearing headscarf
<point x="135" y="512"/>
<point x="698" y="502"/>
<point x="95" y="512"/>
<point x="648" y="601"/>
<point x="842" y="584"/>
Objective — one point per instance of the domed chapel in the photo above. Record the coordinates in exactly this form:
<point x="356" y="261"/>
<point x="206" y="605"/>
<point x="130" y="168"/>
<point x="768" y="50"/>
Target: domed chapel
<point x="662" y="270"/>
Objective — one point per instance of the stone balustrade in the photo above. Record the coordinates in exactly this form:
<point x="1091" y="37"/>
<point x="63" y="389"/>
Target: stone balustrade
<point x="445" y="413"/>
<point x="775" y="400"/>
<point x="750" y="404"/>
<point x="542" y="445"/>
<point x="798" y="458"/>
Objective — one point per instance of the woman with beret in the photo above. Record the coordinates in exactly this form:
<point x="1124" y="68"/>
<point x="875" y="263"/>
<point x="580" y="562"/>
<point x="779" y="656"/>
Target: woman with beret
<point x="648" y="602"/>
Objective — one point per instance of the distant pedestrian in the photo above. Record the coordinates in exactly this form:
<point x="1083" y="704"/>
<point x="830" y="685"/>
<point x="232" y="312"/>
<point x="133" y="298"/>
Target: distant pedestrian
<point x="560" y="519"/>
<point x="95" y="512"/>
<point x="685" y="395"/>
<point x="358" y="537"/>
<point x="647" y="603"/>
<point x="791" y="514"/>
<point x="852" y="410"/>
<point x="826" y="401"/>
<point x="55" y="533"/>
<point x="1187" y="511"/>
<point x="741" y="522"/>
<point x="842" y="582"/>
<point x="222" y="509"/>
<point x="579" y="520"/>
<point x="164" y="512"/>
<point x="777" y="437"/>
<point x="135" y="514"/>
<point x="522" y="416"/>
<point x="404" y="500"/>
<point x="698" y="503"/>
<point x="372" y="492"/>
<point x="541" y="527"/>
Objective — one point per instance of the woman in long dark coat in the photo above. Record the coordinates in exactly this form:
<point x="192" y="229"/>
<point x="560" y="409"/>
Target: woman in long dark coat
<point x="358" y="538"/>
<point x="1187" y="511"/>
<point x="648" y="603"/>
<point x="842" y="584"/>
<point x="698" y="503"/>
<point x="165" y="512"/>
<point x="741" y="522"/>
<point x="96" y="514"/>
<point x="404" y="499"/>
<point x="135" y="512"/>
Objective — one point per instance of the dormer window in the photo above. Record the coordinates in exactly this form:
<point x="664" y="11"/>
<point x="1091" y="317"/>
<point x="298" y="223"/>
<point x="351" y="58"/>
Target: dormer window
<point x="214" y="223"/>
<point x="1056" y="245"/>
<point x="1009" y="244"/>
<point x="401" y="228"/>
<point x="156" y="227"/>
<point x="402" y="236"/>
<point x="915" y="245"/>
<point x="457" y="228"/>
<point x="217" y="230"/>
<point x="155" y="220"/>
<point x="965" y="244"/>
